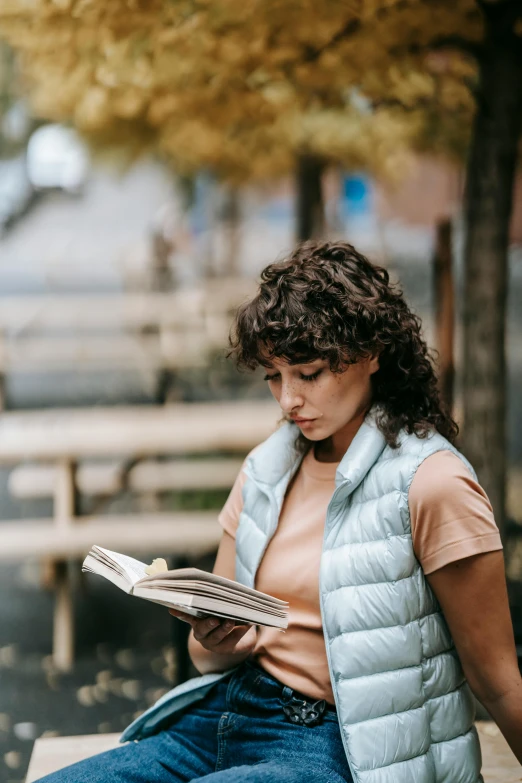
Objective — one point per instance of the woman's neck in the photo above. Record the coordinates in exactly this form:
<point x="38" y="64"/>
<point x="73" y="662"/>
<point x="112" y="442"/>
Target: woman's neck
<point x="334" y="448"/>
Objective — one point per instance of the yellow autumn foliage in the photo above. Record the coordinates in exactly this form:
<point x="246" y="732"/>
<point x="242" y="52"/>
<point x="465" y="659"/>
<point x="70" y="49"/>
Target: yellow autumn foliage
<point x="244" y="87"/>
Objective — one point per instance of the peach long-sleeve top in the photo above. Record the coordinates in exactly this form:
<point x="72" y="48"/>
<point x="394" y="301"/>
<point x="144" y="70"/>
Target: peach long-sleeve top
<point x="451" y="519"/>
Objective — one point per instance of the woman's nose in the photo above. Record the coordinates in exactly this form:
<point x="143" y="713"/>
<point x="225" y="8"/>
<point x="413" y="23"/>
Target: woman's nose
<point x="289" y="399"/>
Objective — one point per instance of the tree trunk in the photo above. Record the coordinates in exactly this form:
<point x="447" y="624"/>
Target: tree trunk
<point x="488" y="204"/>
<point x="310" y="223"/>
<point x="444" y="296"/>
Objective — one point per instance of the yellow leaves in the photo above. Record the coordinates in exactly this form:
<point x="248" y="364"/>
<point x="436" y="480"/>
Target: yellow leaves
<point x="230" y="51"/>
<point x="93" y="110"/>
<point x="379" y="141"/>
<point x="241" y="86"/>
<point x="410" y="87"/>
<point x="129" y="105"/>
<point x="62" y="5"/>
<point x="278" y="93"/>
<point x="158" y="566"/>
<point x="163" y="107"/>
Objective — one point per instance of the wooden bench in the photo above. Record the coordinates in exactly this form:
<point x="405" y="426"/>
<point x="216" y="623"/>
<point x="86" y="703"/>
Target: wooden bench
<point x="147" y="332"/>
<point x="130" y="311"/>
<point x="499" y="765"/>
<point x="54" y="753"/>
<point x="64" y="437"/>
<point x="108" y="478"/>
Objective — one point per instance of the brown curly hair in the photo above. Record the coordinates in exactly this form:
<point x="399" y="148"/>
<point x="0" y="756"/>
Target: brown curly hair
<point x="326" y="300"/>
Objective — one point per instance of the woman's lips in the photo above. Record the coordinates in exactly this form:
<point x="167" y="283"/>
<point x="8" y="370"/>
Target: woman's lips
<point x="303" y="422"/>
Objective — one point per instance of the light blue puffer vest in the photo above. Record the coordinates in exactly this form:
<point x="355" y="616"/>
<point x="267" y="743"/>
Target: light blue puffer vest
<point x="405" y="710"/>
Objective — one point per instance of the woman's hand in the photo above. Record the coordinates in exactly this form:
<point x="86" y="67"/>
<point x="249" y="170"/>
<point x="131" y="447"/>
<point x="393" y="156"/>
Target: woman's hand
<point x="221" y="637"/>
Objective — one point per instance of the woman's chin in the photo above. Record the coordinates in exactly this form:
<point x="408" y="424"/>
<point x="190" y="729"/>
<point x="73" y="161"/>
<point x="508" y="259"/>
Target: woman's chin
<point x="313" y="431"/>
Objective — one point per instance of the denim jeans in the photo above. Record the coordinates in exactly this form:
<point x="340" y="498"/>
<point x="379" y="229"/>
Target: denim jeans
<point x="237" y="733"/>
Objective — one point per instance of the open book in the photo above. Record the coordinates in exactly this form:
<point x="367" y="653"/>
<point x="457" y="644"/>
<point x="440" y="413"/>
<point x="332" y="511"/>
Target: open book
<point x="195" y="592"/>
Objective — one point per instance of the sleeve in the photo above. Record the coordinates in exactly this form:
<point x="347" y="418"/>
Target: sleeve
<point x="451" y="516"/>
<point x="228" y="517"/>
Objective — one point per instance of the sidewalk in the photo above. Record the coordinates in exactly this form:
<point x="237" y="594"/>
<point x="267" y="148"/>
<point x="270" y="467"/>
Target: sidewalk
<point x="125" y="661"/>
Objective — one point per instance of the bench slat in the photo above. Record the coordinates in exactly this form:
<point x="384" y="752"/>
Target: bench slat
<point x="182" y="532"/>
<point x="111" y="352"/>
<point x="189" y="428"/>
<point x="38" y="481"/>
<point x="54" y="753"/>
<point x="101" y="312"/>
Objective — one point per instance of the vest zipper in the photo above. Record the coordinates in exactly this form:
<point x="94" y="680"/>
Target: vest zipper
<point x="275" y="511"/>
<point x="337" y="491"/>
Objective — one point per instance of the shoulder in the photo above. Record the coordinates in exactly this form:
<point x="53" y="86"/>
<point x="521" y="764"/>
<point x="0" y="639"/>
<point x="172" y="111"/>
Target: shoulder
<point x="231" y="511"/>
<point x="451" y="516"/>
<point x="441" y="473"/>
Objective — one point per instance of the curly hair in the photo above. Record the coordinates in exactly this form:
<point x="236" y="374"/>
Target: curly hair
<point x="327" y="301"/>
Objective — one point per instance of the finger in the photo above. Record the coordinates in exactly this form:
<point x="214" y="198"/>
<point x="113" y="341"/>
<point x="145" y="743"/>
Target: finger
<point x="226" y="632"/>
<point x="237" y="640"/>
<point x="203" y="628"/>
<point x="223" y="630"/>
<point x="239" y="631"/>
<point x="187" y="618"/>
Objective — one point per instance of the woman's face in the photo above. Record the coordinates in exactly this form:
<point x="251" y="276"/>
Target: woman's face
<point x="321" y="402"/>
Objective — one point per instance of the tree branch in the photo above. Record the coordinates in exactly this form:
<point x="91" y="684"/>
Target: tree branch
<point x="350" y="28"/>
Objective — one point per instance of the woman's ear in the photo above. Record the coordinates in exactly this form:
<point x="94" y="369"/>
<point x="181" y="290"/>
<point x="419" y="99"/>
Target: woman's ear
<point x="373" y="365"/>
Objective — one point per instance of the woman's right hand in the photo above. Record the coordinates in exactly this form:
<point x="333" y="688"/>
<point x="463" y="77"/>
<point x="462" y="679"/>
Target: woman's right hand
<point x="221" y="636"/>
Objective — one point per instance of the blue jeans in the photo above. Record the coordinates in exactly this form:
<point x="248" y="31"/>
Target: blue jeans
<point x="237" y="733"/>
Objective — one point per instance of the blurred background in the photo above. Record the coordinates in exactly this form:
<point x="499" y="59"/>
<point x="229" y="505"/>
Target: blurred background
<point x="154" y="157"/>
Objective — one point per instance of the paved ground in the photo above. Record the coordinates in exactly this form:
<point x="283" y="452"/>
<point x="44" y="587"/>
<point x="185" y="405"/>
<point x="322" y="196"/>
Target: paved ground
<point x="125" y="661"/>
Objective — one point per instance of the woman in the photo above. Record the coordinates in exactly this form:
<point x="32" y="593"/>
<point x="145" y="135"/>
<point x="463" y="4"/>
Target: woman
<point x="362" y="514"/>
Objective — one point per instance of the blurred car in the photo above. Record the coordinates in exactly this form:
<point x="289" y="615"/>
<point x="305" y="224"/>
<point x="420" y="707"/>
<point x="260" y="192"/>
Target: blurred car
<point x="16" y="191"/>
<point x="57" y="158"/>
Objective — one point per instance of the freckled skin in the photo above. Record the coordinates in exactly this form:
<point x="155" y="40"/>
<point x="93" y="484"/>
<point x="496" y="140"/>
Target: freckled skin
<point x="337" y="402"/>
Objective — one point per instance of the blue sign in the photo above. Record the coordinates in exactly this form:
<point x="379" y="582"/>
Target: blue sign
<point x="357" y="195"/>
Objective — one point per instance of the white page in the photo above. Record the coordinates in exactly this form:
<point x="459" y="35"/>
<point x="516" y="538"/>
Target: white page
<point x="191" y="574"/>
<point x="217" y="592"/>
<point x="134" y="569"/>
<point x="210" y="606"/>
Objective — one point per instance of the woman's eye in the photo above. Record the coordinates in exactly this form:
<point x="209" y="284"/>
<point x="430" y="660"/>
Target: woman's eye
<point x="311" y="377"/>
<point x="303" y="377"/>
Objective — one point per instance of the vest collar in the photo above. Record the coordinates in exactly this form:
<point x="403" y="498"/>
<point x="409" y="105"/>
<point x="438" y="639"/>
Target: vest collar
<point x="277" y="457"/>
<point x="363" y="452"/>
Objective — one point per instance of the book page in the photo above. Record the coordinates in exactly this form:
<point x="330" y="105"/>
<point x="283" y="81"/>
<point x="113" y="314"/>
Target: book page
<point x="93" y="566"/>
<point x="210" y="606"/>
<point x="214" y="579"/>
<point x="215" y="591"/>
<point x="133" y="569"/>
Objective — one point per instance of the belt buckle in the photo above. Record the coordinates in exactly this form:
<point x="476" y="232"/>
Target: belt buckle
<point x="303" y="713"/>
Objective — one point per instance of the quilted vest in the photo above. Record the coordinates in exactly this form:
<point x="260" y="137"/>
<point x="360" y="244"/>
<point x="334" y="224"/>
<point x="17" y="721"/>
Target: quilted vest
<point x="405" y="710"/>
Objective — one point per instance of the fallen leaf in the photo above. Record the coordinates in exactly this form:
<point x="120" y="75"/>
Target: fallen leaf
<point x="158" y="566"/>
